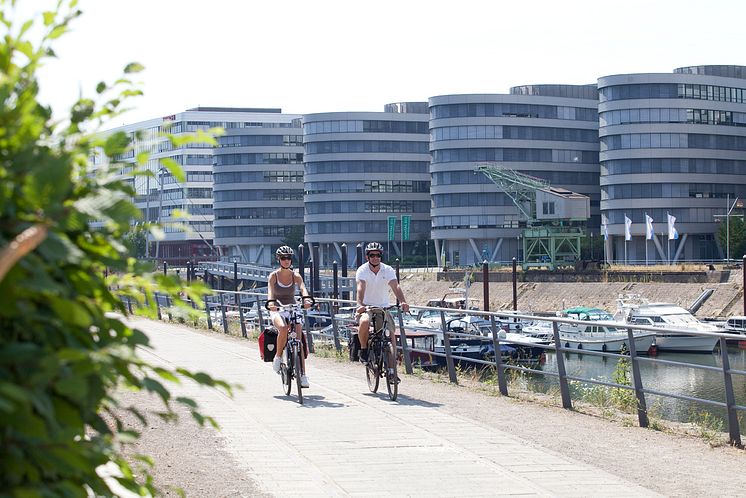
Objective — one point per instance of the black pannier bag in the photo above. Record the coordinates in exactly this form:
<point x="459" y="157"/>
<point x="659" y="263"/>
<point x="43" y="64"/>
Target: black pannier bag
<point x="354" y="346"/>
<point x="267" y="344"/>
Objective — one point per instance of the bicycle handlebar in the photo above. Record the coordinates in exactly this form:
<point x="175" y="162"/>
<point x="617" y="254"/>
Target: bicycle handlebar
<point x="289" y="306"/>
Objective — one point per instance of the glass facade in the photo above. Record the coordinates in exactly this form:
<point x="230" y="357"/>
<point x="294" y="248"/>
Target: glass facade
<point x="546" y="131"/>
<point x="258" y="190"/>
<point x="671" y="144"/>
<point x="360" y="170"/>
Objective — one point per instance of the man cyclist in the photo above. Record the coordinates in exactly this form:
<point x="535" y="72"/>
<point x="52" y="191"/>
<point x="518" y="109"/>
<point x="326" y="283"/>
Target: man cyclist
<point x="281" y="286"/>
<point x="373" y="282"/>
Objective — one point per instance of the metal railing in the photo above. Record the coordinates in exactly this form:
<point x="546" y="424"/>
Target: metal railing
<point x="248" y="309"/>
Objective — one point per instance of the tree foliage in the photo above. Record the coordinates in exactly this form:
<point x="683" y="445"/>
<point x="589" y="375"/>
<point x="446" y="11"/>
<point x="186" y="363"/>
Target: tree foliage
<point x="737" y="240"/>
<point x="64" y="347"/>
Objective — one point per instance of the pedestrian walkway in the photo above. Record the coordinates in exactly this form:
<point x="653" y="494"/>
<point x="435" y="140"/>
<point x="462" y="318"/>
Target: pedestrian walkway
<point x="346" y="441"/>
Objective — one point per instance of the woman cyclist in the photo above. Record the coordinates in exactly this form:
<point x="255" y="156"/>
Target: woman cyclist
<point x="282" y="286"/>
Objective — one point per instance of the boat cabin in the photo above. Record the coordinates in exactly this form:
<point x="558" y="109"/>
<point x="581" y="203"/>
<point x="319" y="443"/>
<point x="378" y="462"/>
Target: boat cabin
<point x="736" y="324"/>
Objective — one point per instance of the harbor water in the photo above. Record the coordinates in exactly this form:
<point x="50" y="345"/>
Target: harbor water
<point x="675" y="379"/>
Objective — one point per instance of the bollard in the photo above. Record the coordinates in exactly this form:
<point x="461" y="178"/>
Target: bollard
<point x="165" y="268"/>
<point x="486" y="285"/>
<point x="515" y="285"/>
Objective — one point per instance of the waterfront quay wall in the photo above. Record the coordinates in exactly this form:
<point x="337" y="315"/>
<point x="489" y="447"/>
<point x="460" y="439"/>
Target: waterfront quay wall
<point x="548" y="292"/>
<point x="591" y="276"/>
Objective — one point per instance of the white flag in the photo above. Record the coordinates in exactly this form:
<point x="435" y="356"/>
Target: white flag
<point x="627" y="228"/>
<point x="673" y="234"/>
<point x="648" y="227"/>
<point x="605" y="227"/>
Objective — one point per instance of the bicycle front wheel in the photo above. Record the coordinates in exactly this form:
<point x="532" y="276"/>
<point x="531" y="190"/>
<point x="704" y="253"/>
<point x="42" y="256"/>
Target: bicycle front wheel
<point x="298" y="373"/>
<point x="372" y="371"/>
<point x="286" y="374"/>
<point x="392" y="379"/>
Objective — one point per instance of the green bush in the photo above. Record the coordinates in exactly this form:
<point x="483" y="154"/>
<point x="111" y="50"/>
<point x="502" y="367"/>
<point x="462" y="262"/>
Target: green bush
<point x="64" y="348"/>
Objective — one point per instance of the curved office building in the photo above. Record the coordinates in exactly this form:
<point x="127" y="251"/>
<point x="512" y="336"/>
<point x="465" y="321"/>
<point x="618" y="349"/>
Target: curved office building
<point x="546" y="131"/>
<point x="671" y="144"/>
<point x="362" y="168"/>
<point x="258" y="186"/>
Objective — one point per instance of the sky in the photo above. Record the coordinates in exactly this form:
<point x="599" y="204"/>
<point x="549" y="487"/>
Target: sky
<point x="330" y="55"/>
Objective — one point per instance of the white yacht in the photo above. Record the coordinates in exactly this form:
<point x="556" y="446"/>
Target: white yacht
<point x="637" y="311"/>
<point x="592" y="335"/>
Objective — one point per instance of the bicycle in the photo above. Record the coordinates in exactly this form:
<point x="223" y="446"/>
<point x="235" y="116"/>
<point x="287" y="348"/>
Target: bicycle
<point x="292" y="368"/>
<point x="381" y="353"/>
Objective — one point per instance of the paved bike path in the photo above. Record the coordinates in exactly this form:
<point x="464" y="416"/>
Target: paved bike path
<point x="346" y="441"/>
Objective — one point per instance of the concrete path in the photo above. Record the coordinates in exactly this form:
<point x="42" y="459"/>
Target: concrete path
<point x="346" y="441"/>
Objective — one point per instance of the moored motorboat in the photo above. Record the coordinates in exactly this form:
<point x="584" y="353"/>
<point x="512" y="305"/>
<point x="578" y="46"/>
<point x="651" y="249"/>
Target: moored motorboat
<point x="671" y="318"/>
<point x="593" y="335"/>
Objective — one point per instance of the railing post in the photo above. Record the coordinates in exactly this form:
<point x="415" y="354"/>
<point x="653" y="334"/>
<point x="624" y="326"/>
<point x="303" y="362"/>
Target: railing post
<point x="235" y="276"/>
<point x="642" y="407"/>
<point x="157" y="305"/>
<point x="302" y="261"/>
<point x="222" y="313"/>
<point x="730" y="399"/>
<point x="259" y="315"/>
<point x="207" y="310"/>
<point x="309" y="337"/>
<point x="515" y="285"/>
<point x="486" y="285"/>
<point x="335" y="330"/>
<point x="564" y="388"/>
<point x="502" y="383"/>
<point x="240" y="316"/>
<point x="404" y="345"/>
<point x="335" y="286"/>
<point x="447" y="348"/>
<point x="316" y="270"/>
<point x="345" y="294"/>
<point x="361" y="259"/>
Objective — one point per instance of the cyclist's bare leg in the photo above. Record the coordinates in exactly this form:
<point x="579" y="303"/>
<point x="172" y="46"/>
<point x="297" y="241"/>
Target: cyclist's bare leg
<point x="362" y="331"/>
<point x="282" y="334"/>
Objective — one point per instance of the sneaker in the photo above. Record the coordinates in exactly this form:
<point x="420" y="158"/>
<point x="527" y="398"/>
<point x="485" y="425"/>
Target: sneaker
<point x="364" y="355"/>
<point x="276" y="364"/>
<point x="304" y="381"/>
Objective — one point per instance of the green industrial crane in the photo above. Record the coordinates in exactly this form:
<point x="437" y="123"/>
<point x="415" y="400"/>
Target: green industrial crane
<point x="555" y="217"/>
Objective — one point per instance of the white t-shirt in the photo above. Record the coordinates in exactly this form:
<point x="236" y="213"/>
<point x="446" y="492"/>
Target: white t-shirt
<point x="376" y="284"/>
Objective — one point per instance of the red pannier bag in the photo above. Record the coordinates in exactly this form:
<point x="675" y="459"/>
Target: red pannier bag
<point x="267" y="344"/>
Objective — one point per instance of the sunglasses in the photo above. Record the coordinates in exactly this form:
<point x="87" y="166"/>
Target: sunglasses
<point x="374" y="255"/>
<point x="286" y="258"/>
